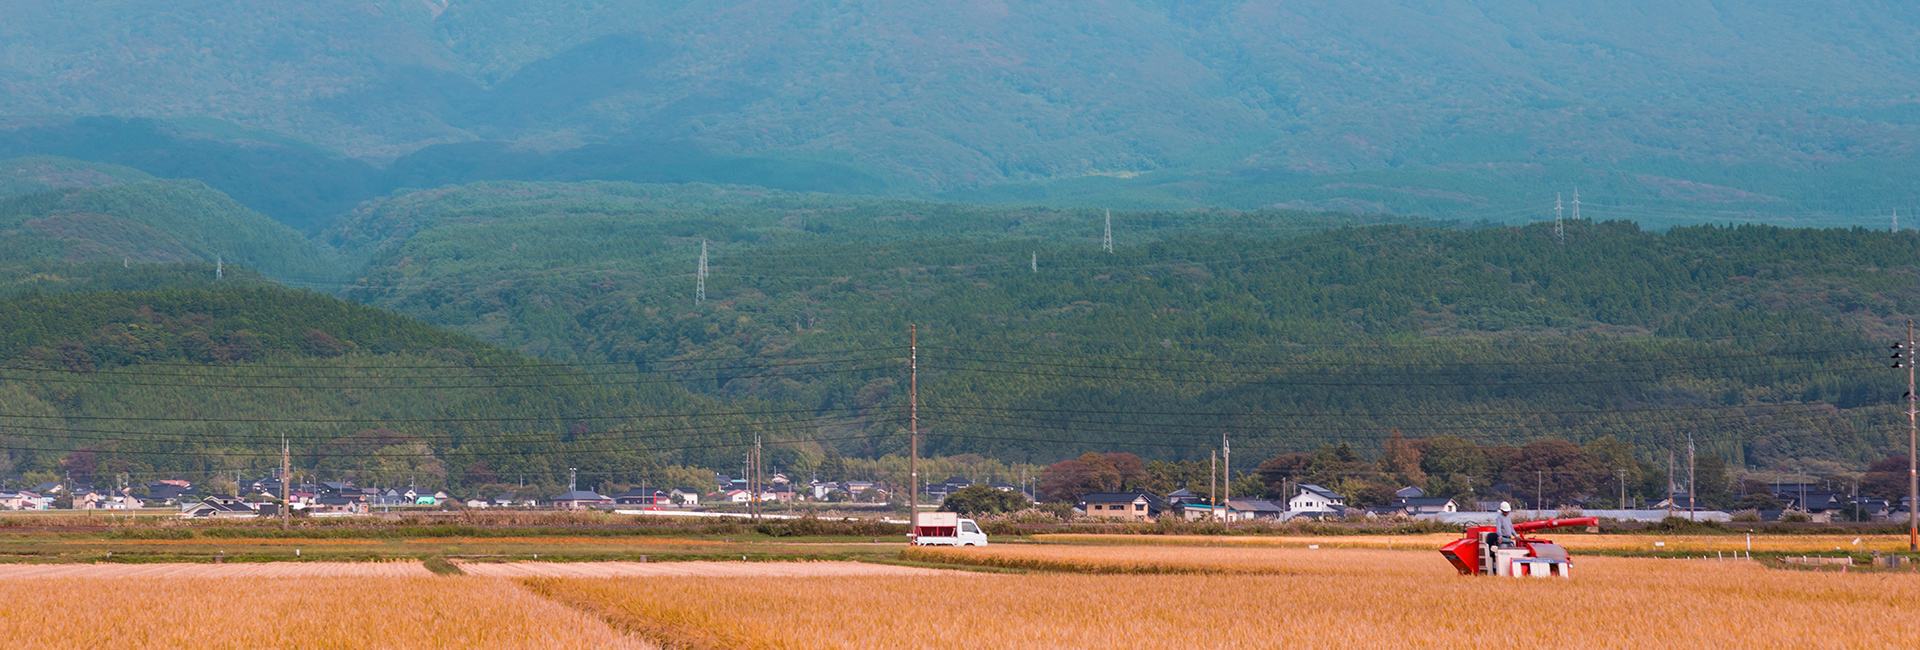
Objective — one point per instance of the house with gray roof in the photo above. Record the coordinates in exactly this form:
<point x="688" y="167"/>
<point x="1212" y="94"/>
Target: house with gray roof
<point x="1313" y="498"/>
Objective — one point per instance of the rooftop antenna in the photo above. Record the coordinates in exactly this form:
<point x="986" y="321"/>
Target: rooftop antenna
<point x="700" y="277"/>
<point x="1108" y="244"/>
<point x="1559" y="229"/>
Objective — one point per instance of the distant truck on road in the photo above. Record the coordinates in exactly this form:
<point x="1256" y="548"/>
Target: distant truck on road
<point x="945" y="529"/>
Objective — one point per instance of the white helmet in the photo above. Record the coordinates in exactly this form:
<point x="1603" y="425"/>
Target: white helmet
<point x="1506" y="507"/>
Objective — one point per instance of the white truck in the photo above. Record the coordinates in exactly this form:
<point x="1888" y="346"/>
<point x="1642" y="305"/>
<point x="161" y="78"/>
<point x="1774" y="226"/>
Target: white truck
<point x="945" y="529"/>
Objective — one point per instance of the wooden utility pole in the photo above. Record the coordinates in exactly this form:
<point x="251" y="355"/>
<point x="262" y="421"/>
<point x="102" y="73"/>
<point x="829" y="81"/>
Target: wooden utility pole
<point x="286" y="481"/>
<point x="754" y="479"/>
<point x="1226" y="478"/>
<point x="1913" y="454"/>
<point x="913" y="424"/>
<point x="1693" y="489"/>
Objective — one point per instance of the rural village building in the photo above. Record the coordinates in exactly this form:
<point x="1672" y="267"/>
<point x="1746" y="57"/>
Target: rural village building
<point x="1139" y="505"/>
<point x="1313" y="498"/>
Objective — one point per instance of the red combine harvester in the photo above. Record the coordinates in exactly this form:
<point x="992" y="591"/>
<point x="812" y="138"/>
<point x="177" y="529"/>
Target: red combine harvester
<point x="1479" y="553"/>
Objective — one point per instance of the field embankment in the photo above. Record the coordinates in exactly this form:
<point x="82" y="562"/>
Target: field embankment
<point x="691" y="570"/>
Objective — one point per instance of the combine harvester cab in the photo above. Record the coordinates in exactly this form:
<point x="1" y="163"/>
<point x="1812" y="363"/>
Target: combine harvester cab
<point x="945" y="529"/>
<point x="1478" y="552"/>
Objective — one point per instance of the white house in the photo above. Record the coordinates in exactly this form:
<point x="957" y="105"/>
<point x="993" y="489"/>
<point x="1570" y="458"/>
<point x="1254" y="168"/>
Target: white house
<point x="1313" y="498"/>
<point x="685" y="496"/>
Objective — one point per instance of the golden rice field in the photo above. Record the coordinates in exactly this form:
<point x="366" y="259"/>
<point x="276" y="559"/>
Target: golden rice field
<point x="1327" y="598"/>
<point x="426" y="612"/>
<point x="1572" y="539"/>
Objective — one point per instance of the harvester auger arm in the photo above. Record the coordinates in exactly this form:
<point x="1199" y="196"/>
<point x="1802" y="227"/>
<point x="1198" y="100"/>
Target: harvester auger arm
<point x="1544" y="524"/>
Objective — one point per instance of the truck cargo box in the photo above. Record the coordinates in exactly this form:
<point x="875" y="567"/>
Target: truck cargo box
<point x="936" y="519"/>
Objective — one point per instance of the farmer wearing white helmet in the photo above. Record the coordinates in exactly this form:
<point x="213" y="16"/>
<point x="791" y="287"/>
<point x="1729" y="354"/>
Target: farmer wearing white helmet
<point x="1503" y="524"/>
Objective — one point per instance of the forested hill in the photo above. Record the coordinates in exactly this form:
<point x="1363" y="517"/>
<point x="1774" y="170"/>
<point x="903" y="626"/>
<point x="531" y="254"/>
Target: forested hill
<point x="204" y="380"/>
<point x="84" y="214"/>
<point x="1038" y="344"/>
<point x="1281" y="331"/>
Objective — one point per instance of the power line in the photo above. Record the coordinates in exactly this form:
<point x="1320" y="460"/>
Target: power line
<point x="418" y="420"/>
<point x="1400" y="364"/>
<point x="468" y="439"/>
<point x="1337" y="384"/>
<point x="244" y="372"/>
<point x="453" y="386"/>
<point x="467" y="454"/>
<point x="1328" y="367"/>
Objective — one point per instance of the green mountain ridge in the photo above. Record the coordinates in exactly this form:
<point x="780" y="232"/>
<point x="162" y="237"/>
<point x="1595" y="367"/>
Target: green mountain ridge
<point x="1451" y="111"/>
<point x="156" y="221"/>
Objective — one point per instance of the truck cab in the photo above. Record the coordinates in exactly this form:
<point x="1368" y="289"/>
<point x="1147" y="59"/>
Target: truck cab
<point x="945" y="529"/>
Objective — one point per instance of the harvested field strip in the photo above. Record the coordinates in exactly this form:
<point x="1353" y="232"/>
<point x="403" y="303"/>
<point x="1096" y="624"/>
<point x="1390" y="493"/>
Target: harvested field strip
<point x="1398" y="600"/>
<point x="1166" y="559"/>
<point x="424" y="612"/>
<point x="1346" y="541"/>
<point x="683" y="569"/>
<point x="236" y="570"/>
<point x="1571" y="538"/>
<point x="563" y="541"/>
<point x="240" y="541"/>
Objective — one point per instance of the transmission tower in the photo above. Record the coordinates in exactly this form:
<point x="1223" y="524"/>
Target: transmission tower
<point x="1576" y="203"/>
<point x="700" y="276"/>
<point x="1559" y="227"/>
<point x="219" y="267"/>
<point x="1033" y="261"/>
<point x="1108" y="244"/>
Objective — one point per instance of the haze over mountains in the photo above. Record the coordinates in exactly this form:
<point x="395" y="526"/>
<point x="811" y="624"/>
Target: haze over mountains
<point x="1800" y="113"/>
<point x="1320" y="230"/>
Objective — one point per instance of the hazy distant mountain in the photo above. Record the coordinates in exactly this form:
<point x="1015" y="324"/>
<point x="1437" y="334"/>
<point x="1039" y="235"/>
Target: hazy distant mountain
<point x="956" y="95"/>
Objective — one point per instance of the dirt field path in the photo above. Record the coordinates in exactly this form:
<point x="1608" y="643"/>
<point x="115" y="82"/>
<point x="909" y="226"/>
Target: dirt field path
<point x="254" y="570"/>
<point x="693" y="569"/>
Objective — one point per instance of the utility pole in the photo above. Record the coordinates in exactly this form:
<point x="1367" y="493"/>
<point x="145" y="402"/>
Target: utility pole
<point x="1226" y="476"/>
<point x="913" y="426"/>
<point x="700" y="276"/>
<point x="1213" y="481"/>
<point x="1693" y="489"/>
<point x="1623" y="488"/>
<point x="1559" y="230"/>
<point x="755" y="477"/>
<point x="1901" y="360"/>
<point x="1107" y="245"/>
<point x="286" y="471"/>
<point x="1539" y="489"/>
